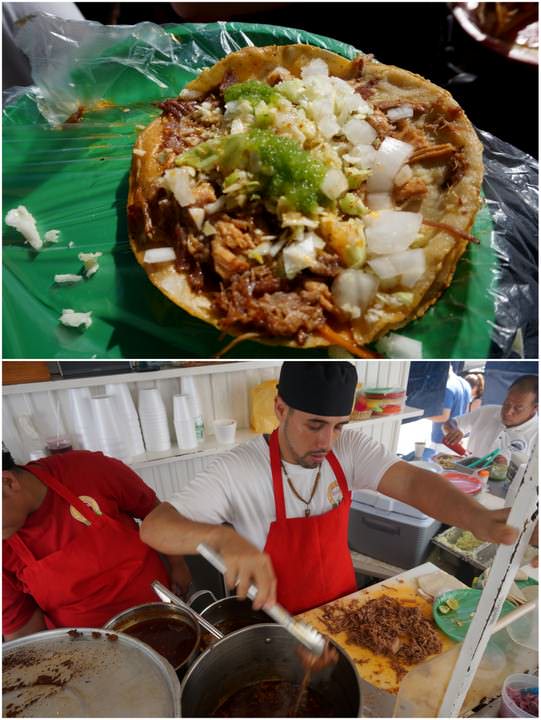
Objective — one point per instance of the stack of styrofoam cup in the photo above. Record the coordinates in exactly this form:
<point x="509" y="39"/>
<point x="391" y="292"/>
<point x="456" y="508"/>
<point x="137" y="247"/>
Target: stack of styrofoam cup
<point x="184" y="424"/>
<point x="127" y="417"/>
<point x="153" y="417"/>
<point x="82" y="427"/>
<point x="109" y="429"/>
<point x="188" y="388"/>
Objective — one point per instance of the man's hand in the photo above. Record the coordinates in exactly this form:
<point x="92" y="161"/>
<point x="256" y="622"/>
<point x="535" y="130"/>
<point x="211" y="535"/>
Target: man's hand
<point x="491" y="526"/>
<point x="452" y="435"/>
<point x="246" y="566"/>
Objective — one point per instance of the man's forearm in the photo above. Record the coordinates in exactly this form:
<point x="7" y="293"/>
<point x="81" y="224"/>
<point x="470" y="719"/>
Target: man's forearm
<point x="169" y="532"/>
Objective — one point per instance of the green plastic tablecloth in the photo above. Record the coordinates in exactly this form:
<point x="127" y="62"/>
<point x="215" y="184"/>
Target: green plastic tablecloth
<point x="74" y="178"/>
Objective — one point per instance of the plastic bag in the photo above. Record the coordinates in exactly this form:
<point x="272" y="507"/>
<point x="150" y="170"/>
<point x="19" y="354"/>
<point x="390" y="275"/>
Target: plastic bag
<point x="75" y="179"/>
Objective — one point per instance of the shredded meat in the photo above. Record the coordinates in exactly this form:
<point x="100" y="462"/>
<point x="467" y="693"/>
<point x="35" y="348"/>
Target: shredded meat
<point x="204" y="194"/>
<point x="229" y="78"/>
<point x="233" y="237"/>
<point x="177" y="108"/>
<point x="409" y="132"/>
<point x="388" y="104"/>
<point x="357" y="66"/>
<point x="366" y="88"/>
<point x="432" y="152"/>
<point x="456" y="167"/>
<point x="315" y="290"/>
<point x="327" y="265"/>
<point x="412" y="188"/>
<point x="380" y="123"/>
<point x="255" y="298"/>
<point x="226" y="263"/>
<point x="386" y="627"/>
<point x="185" y="261"/>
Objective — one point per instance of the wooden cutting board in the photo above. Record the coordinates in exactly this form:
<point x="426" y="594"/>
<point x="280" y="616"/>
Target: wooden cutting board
<point x="377" y="669"/>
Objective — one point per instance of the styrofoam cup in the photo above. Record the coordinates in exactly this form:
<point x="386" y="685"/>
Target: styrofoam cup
<point x="107" y="426"/>
<point x="225" y="430"/>
<point x="509" y="708"/>
<point x="181" y="409"/>
<point x="186" y="437"/>
<point x="419" y="450"/>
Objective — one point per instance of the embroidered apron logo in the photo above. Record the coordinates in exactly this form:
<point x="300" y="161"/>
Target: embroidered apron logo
<point x="334" y="494"/>
<point x="92" y="504"/>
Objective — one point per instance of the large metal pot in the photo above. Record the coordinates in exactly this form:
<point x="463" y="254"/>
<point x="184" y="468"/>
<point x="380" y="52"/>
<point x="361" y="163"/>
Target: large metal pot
<point x="261" y="653"/>
<point x="86" y="672"/>
<point x="230" y="614"/>
<point x="137" y="620"/>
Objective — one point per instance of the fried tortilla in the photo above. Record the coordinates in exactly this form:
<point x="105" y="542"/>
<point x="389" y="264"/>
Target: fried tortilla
<point x="294" y="196"/>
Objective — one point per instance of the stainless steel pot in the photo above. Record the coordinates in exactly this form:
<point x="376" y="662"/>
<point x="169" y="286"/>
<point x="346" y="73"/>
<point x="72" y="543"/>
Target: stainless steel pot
<point x="86" y="672"/>
<point x="230" y="614"/>
<point x="152" y="611"/>
<point x="258" y="653"/>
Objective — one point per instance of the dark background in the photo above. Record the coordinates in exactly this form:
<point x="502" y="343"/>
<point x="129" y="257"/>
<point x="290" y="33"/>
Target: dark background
<point x="499" y="95"/>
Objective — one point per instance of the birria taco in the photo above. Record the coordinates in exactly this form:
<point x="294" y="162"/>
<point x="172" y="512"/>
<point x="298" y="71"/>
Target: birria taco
<point x="294" y="196"/>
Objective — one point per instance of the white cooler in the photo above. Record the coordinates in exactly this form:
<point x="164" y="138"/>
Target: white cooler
<point x="389" y="530"/>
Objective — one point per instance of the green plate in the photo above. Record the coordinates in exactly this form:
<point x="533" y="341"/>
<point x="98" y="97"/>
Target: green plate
<point x="75" y="179"/>
<point x="468" y="600"/>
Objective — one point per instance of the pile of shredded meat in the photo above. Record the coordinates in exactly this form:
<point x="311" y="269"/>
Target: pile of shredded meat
<point x="386" y="627"/>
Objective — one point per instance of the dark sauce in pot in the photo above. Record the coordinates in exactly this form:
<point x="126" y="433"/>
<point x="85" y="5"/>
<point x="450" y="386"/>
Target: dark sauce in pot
<point x="273" y="698"/>
<point x="173" y="639"/>
<point x="227" y="627"/>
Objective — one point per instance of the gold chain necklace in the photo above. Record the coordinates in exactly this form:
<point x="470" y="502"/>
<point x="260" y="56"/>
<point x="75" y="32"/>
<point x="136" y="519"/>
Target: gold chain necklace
<point x="307" y="512"/>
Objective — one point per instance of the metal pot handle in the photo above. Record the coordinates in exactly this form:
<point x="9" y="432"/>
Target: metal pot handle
<point x="198" y="594"/>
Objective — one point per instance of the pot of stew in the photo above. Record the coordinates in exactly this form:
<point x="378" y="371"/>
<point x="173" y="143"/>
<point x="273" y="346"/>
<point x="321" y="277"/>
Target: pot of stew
<point x="257" y="672"/>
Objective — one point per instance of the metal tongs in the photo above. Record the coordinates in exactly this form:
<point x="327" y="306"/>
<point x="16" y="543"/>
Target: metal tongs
<point x="167" y="596"/>
<point x="304" y="633"/>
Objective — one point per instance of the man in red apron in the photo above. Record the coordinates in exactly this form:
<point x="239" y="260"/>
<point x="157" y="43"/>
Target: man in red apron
<point x="300" y="556"/>
<point x="72" y="556"/>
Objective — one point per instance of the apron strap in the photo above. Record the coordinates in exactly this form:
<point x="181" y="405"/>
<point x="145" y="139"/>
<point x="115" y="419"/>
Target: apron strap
<point x="277" y="480"/>
<point x="21" y="549"/>
<point x="60" y="489"/>
<point x="277" y="483"/>
<point x="337" y="469"/>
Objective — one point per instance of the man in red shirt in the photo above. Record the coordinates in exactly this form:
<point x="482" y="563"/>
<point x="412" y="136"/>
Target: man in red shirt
<point x="71" y="549"/>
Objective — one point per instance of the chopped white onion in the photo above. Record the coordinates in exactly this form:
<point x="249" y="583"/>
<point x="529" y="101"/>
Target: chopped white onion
<point x="359" y="132"/>
<point x="398" y="113"/>
<point x="315" y="67"/>
<point x="25" y="223"/>
<point x="410" y="264"/>
<point x="391" y="155"/>
<point x="322" y="107"/>
<point x="197" y="215"/>
<point x="179" y="183"/>
<point x="403" y="175"/>
<point x="237" y="127"/>
<point x="139" y="152"/>
<point x="334" y="183"/>
<point x="328" y="126"/>
<point x="353" y="290"/>
<point x="67" y="278"/>
<point x="391" y="231"/>
<point x="361" y="155"/>
<point x="400" y="347"/>
<point x="354" y="103"/>
<point x="70" y="318"/>
<point x="383" y="267"/>
<point x="188" y="94"/>
<point x="215" y="206"/>
<point x="208" y="228"/>
<point x="158" y="255"/>
<point x="52" y="236"/>
<point x="298" y="256"/>
<point x="379" y="201"/>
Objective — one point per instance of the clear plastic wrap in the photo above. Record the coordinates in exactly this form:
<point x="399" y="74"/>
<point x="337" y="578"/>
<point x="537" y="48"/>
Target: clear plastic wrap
<point x="73" y="176"/>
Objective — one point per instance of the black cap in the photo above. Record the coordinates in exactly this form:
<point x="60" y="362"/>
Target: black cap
<point x="7" y="460"/>
<point x="321" y="388"/>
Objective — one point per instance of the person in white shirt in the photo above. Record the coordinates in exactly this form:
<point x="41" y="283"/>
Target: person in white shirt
<point x="511" y="427"/>
<point x="286" y="498"/>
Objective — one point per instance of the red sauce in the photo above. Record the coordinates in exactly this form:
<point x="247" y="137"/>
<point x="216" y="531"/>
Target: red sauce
<point x="273" y="698"/>
<point x="173" y="639"/>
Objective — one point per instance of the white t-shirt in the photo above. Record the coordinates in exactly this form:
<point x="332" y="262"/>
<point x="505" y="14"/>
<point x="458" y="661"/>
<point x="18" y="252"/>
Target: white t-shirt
<point x="237" y="487"/>
<point x="487" y="432"/>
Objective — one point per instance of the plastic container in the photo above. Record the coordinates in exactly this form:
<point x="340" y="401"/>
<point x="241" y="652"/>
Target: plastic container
<point x="389" y="530"/>
<point x="498" y="469"/>
<point x="385" y="401"/>
<point x="225" y="431"/>
<point x="509" y="708"/>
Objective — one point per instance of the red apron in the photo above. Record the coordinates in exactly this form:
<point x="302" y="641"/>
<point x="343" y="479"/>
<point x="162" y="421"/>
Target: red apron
<point x="104" y="570"/>
<point x="310" y="555"/>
